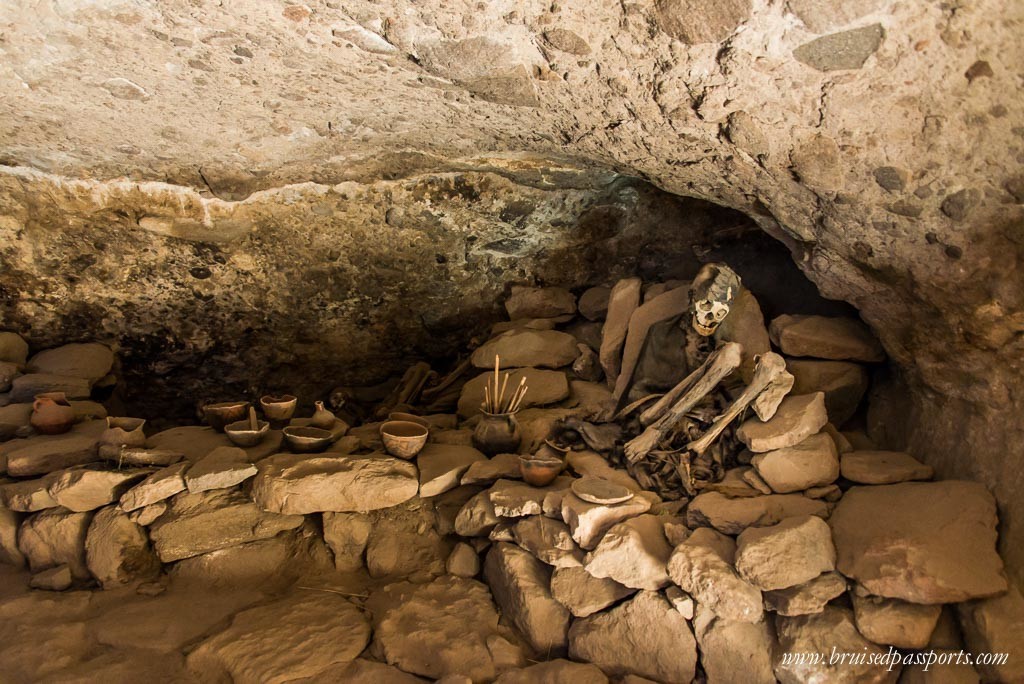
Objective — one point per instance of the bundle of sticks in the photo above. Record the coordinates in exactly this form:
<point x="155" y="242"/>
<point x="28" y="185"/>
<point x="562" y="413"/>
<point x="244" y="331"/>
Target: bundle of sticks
<point x="494" y="394"/>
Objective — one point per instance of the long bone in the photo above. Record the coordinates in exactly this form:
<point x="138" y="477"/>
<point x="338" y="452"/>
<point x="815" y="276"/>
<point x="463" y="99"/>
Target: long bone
<point x="769" y="368"/>
<point x="718" y="366"/>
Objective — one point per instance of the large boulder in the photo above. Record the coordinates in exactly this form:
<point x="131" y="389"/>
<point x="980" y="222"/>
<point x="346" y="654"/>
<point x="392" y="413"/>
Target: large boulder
<point x="894" y="622"/>
<point x="521" y="587"/>
<point x="882" y="467"/>
<point x="582" y="593"/>
<point x="733" y="651"/>
<point x="703" y="567"/>
<point x="798" y="417"/>
<point x="539" y="302"/>
<point x="924" y="542"/>
<point x="436" y="629"/>
<point x="117" y="551"/>
<point x="199" y="523"/>
<point x="839" y="339"/>
<point x="299" y="483"/>
<point x="90" y="361"/>
<point x="732" y="516"/>
<point x="55" y="537"/>
<point x="643" y="636"/>
<point x="545" y="387"/>
<point x="294" y="637"/>
<point x="996" y="625"/>
<point x="792" y="552"/>
<point x="634" y="553"/>
<point x="526" y="348"/>
<point x="42" y="455"/>
<point x="843" y="383"/>
<point x="811" y="463"/>
<point x="806" y="643"/>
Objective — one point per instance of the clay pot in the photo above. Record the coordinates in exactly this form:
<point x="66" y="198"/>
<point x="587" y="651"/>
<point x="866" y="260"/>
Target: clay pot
<point x="219" y="415"/>
<point x="409" y="418"/>
<point x="124" y="432"/>
<point x="497" y="433"/>
<point x="307" y="440"/>
<point x="322" y="418"/>
<point x="52" y="414"/>
<point x="241" y="433"/>
<point x="278" y="410"/>
<point x="540" y="472"/>
<point x="403" y="438"/>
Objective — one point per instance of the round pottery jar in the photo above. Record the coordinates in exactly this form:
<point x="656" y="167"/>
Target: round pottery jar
<point x="497" y="433"/>
<point x="322" y="418"/>
<point x="403" y="438"/>
<point x="52" y="414"/>
<point x="278" y="410"/>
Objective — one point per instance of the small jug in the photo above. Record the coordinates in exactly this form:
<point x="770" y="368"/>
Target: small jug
<point x="52" y="414"/>
<point x="322" y="418"/>
<point x="497" y="433"/>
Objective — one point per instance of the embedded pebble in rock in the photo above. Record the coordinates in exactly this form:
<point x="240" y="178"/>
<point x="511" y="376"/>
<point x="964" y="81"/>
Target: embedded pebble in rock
<point x="221" y="468"/>
<point x="813" y="462"/>
<point x="546" y="387"/>
<point x="644" y="636"/>
<point x="843" y="383"/>
<point x="622" y="302"/>
<point x="996" y="625"/>
<point x="90" y="361"/>
<point x="9" y="553"/>
<point x="158" y="486"/>
<point x="548" y="540"/>
<point x="844" y="50"/>
<point x="527" y="349"/>
<point x="199" y="523"/>
<point x="13" y="348"/>
<point x="435" y="629"/>
<point x="442" y="466"/>
<point x="520" y="585"/>
<point x="837" y="339"/>
<point x="476" y="518"/>
<point x="297" y="636"/>
<point x="894" y="622"/>
<point x="85" y="489"/>
<point x="48" y="455"/>
<point x="301" y="483"/>
<point x="829" y="631"/>
<point x="556" y="671"/>
<point x="463" y="561"/>
<point x="346" y="534"/>
<point x="702" y="566"/>
<point x="146" y="515"/>
<point x="28" y="496"/>
<point x="582" y="593"/>
<point x="787" y="554"/>
<point x="883" y="467"/>
<point x="797" y="418"/>
<point x="54" y="579"/>
<point x="512" y="499"/>
<point x="539" y="302"/>
<point x="634" y="553"/>
<point x="923" y="542"/>
<point x="732" y="516"/>
<point x="807" y="598"/>
<point x="588" y="522"/>
<point x="593" y="302"/>
<point x="488" y="471"/>
<point x="732" y="651"/>
<point x="24" y="388"/>
<point x="681" y="601"/>
<point x="55" y="537"/>
<point x="117" y="551"/>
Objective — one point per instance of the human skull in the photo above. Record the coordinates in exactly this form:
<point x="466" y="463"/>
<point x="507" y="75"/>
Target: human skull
<point x="711" y="296"/>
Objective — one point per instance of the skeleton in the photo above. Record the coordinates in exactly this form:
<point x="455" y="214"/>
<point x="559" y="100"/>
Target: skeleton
<point x="686" y="433"/>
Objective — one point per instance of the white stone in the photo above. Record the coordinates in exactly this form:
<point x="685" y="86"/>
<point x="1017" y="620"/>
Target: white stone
<point x="792" y="552"/>
<point x="588" y="522"/>
<point x="811" y="463"/>
<point x="807" y="598"/>
<point x="158" y="486"/>
<point x="476" y="518"/>
<point x="86" y="489"/>
<point x="702" y="567"/>
<point x="797" y="418"/>
<point x="634" y="553"/>
<point x="221" y="468"/>
<point x="732" y="651"/>
<point x="829" y="631"/>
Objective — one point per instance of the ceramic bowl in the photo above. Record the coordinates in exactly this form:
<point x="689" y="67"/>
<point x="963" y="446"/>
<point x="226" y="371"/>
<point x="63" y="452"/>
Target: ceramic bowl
<point x="219" y="415"/>
<point x="403" y="438"/>
<point x="241" y="433"/>
<point x="409" y="418"/>
<point x="307" y="440"/>
<point x="540" y="472"/>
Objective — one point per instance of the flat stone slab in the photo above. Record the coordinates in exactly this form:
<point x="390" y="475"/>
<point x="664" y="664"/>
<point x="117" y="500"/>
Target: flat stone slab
<point x="813" y="462"/>
<point x="582" y="593"/>
<point x="295" y="637"/>
<point x="86" y="489"/>
<point x="894" y="622"/>
<point x="521" y="587"/>
<point x="545" y="387"/>
<point x="488" y="471"/>
<point x="42" y="455"/>
<point x="196" y="441"/>
<point x="883" y="467"/>
<point x="24" y="388"/>
<point x="442" y="466"/>
<point x="924" y="542"/>
<point x="588" y="521"/>
<point x="300" y="483"/>
<point x="524" y="348"/>
<point x="90" y="361"/>
<point x="199" y="523"/>
<point x="807" y="598"/>
<point x="28" y="496"/>
<point x="539" y="302"/>
<point x="797" y="418"/>
<point x="732" y="516"/>
<point x="223" y="467"/>
<point x="821" y="337"/>
<point x="158" y="486"/>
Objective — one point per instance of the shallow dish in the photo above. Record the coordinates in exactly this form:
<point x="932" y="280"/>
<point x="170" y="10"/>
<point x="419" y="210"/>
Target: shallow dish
<point x="597" y="491"/>
<point x="241" y="433"/>
<point x="307" y="440"/>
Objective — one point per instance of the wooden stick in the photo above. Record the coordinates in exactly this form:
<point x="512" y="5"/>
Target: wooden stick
<point x="487" y="398"/>
<point x="519" y="400"/>
<point x="517" y="395"/>
<point x="501" y="396"/>
<point x="497" y="364"/>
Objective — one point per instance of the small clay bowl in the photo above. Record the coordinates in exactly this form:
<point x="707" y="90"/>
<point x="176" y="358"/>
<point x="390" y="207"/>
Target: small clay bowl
<point x="409" y="418"/>
<point x="278" y="410"/>
<point x="307" y="440"/>
<point x="219" y="415"/>
<point x="403" y="438"/>
<point x="598" y="491"/>
<point x="540" y="472"/>
<point x="241" y="433"/>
